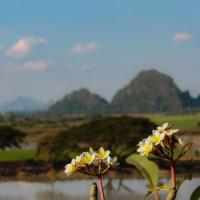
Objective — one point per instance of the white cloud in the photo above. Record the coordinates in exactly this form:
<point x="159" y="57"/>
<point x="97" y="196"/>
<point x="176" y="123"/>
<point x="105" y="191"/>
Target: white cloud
<point x="83" y="66"/>
<point x="23" y="46"/>
<point x="38" y="65"/>
<point x="85" y="48"/>
<point x="181" y="37"/>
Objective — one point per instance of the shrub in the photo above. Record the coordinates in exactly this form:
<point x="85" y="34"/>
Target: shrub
<point x="10" y="137"/>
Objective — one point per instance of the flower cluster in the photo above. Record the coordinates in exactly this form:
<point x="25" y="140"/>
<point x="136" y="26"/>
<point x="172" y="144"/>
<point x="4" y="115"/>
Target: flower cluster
<point x="160" y="143"/>
<point x="91" y="163"/>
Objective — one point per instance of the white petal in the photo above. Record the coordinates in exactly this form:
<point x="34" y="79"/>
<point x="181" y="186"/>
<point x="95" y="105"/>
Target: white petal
<point x="165" y="125"/>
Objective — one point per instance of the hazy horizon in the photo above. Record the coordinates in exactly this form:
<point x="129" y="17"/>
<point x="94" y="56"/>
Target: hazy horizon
<point x="94" y="92"/>
<point x="49" y="49"/>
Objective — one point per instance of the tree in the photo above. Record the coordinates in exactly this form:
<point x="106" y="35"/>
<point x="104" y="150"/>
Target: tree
<point x="10" y="137"/>
<point x="119" y="134"/>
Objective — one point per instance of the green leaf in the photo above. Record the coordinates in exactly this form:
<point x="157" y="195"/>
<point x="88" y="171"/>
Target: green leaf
<point x="171" y="195"/>
<point x="148" y="169"/>
<point x="196" y="194"/>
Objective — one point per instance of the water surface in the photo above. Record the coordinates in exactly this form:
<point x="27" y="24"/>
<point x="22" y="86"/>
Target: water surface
<point x="126" y="189"/>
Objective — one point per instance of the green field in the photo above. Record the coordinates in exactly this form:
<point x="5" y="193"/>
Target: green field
<point x="14" y="155"/>
<point x="190" y="121"/>
<point x="35" y="133"/>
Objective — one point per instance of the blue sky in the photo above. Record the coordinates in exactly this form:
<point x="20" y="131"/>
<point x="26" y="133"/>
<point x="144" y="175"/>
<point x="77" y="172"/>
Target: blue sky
<point x="49" y="48"/>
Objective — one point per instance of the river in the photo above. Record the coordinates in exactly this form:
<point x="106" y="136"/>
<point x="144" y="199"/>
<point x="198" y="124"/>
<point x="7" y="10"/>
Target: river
<point x="116" y="189"/>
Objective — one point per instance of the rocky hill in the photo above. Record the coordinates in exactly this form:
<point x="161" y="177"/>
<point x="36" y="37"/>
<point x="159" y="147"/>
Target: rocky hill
<point x="152" y="92"/>
<point x="149" y="92"/>
<point x="80" y="102"/>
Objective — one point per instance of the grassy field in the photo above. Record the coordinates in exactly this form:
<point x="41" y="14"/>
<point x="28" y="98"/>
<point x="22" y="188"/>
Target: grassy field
<point x="13" y="155"/>
<point x="35" y="133"/>
<point x="190" y="121"/>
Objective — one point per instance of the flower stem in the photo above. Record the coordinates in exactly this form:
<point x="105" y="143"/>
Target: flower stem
<point x="156" y="195"/>
<point x="100" y="186"/>
<point x="173" y="174"/>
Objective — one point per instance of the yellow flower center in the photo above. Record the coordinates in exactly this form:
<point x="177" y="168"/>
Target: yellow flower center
<point x="102" y="154"/>
<point x="156" y="139"/>
<point x="147" y="148"/>
<point x="87" y="158"/>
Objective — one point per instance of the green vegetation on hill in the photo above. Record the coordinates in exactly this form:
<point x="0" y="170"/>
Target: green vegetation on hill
<point x="153" y="92"/>
<point x="150" y="92"/>
<point x="80" y="102"/>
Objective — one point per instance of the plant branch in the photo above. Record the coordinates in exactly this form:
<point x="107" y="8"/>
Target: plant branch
<point x="173" y="174"/>
<point x="156" y="195"/>
<point x="100" y="186"/>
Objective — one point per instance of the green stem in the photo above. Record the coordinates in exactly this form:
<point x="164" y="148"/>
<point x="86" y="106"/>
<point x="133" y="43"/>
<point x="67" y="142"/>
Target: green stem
<point x="100" y="186"/>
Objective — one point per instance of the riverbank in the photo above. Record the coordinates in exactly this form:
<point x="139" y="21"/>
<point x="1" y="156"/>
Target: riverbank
<point x="41" y="170"/>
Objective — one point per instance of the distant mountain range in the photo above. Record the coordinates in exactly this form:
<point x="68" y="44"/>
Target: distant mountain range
<point x="149" y="92"/>
<point x="21" y="104"/>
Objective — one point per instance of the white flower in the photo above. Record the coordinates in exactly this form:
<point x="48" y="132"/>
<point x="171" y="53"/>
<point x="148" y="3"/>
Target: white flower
<point x="157" y="137"/>
<point x="69" y="169"/>
<point x="145" y="147"/>
<point x="181" y="141"/>
<point x="163" y="127"/>
<point x="170" y="132"/>
<point x="102" y="154"/>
